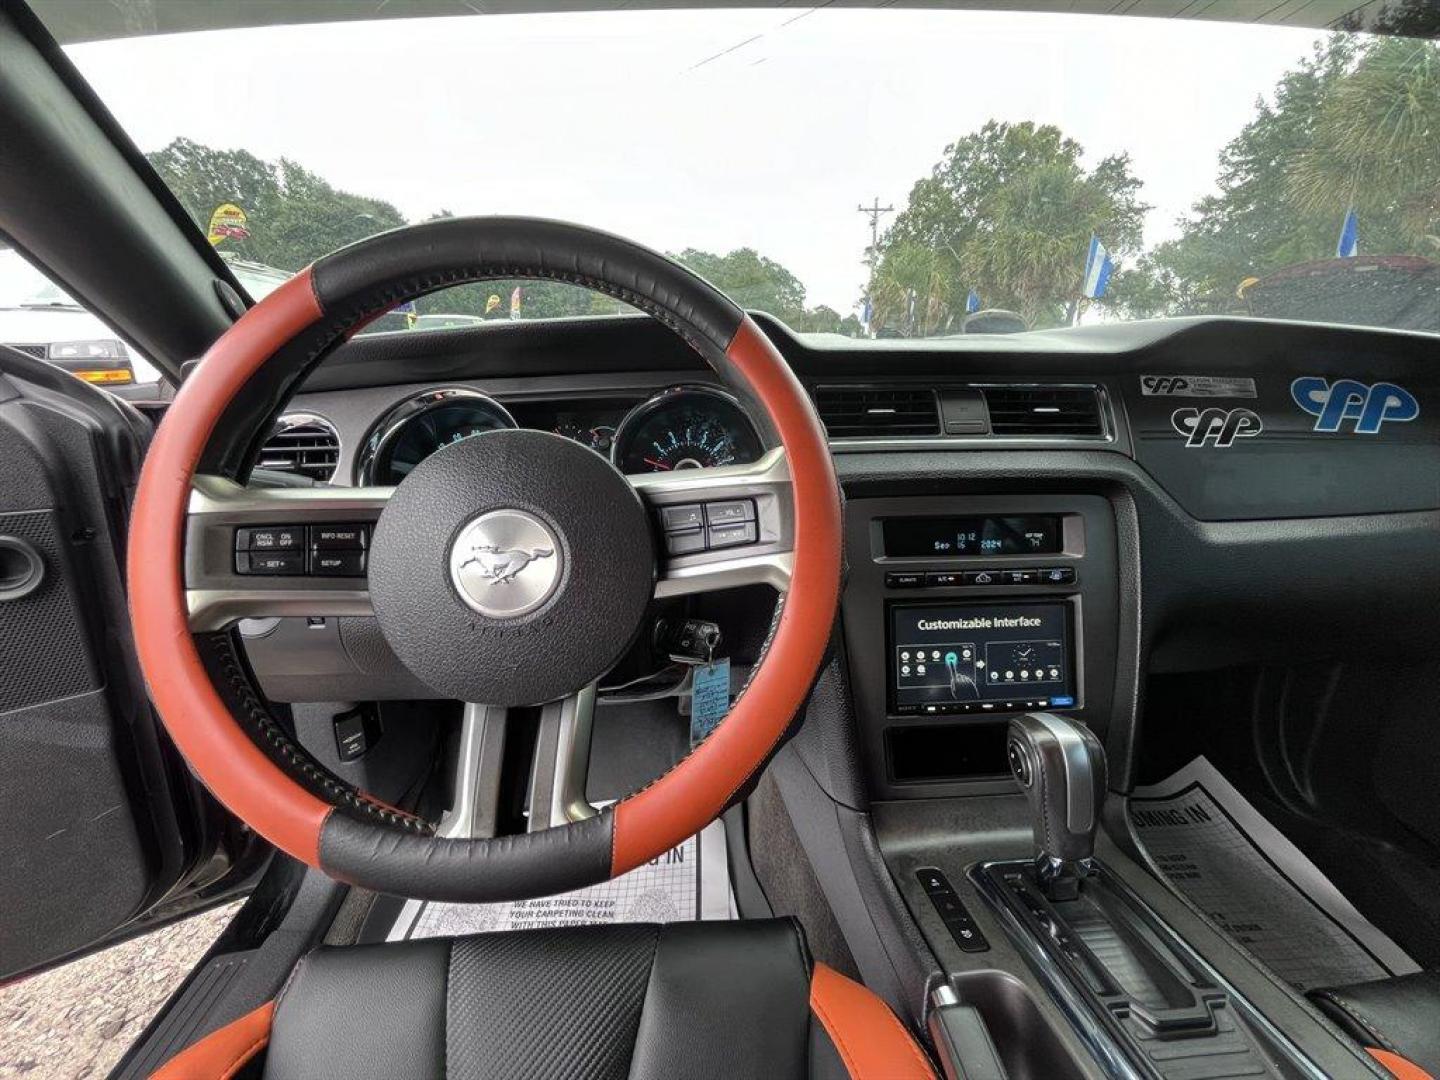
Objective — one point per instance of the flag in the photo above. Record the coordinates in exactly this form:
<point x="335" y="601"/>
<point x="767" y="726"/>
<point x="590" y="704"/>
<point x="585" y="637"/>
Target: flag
<point x="515" y="302"/>
<point x="972" y="302"/>
<point x="1098" y="269"/>
<point x="1349" y="244"/>
<point x="410" y="311"/>
<point x="866" y="314"/>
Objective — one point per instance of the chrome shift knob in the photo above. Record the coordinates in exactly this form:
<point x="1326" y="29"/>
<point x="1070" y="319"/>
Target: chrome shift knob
<point x="1060" y="765"/>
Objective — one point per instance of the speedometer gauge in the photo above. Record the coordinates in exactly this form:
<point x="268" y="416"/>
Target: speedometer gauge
<point x="685" y="428"/>
<point x="422" y="425"/>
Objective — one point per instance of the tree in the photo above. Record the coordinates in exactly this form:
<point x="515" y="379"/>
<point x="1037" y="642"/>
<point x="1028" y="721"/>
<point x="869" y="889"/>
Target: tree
<point x="294" y="216"/>
<point x="751" y="280"/>
<point x="1007" y="211"/>
<point x="1376" y="142"/>
<point x="761" y="284"/>
<point x="1357" y="123"/>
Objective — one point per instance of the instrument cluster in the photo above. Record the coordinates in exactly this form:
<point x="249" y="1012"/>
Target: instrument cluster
<point x="684" y="427"/>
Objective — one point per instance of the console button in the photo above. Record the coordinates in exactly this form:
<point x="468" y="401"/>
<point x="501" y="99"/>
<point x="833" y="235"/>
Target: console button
<point x="676" y="518"/>
<point x="983" y="577"/>
<point x="270" y="563"/>
<point x="271" y="538"/>
<point x="1058" y="575"/>
<point x="952" y="911"/>
<point x="904" y="579"/>
<point x="339" y="537"/>
<point x="944" y="580"/>
<point x="742" y="532"/>
<point x="337" y="563"/>
<point x="685" y="543"/>
<point x="726" y="513"/>
<point x="932" y="880"/>
<point x="1020" y="577"/>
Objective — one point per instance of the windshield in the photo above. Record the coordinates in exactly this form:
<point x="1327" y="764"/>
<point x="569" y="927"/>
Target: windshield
<point x="867" y="173"/>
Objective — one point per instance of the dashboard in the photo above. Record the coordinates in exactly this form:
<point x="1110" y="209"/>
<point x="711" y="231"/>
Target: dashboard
<point x="679" y="427"/>
<point x="1047" y="517"/>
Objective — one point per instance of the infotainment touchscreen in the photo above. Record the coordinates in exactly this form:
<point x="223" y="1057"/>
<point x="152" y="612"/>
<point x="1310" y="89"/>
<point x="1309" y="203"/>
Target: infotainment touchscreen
<point x="980" y="657"/>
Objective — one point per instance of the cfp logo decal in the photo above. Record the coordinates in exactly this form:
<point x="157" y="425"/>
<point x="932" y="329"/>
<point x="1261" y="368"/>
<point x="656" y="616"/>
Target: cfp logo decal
<point x="1345" y="399"/>
<point x="1216" y="427"/>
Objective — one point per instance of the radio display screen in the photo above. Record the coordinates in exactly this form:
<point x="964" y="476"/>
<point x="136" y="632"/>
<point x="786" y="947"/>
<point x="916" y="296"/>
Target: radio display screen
<point x="980" y="658"/>
<point x="946" y="537"/>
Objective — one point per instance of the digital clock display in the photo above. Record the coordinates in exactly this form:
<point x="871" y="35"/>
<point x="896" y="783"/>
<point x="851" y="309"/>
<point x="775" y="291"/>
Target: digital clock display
<point x="948" y="537"/>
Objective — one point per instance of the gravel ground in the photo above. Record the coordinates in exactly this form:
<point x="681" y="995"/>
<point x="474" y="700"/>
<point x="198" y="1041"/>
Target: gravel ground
<point x="76" y="1021"/>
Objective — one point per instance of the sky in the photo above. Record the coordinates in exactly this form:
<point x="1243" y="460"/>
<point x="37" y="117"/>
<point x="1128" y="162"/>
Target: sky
<point x="706" y="129"/>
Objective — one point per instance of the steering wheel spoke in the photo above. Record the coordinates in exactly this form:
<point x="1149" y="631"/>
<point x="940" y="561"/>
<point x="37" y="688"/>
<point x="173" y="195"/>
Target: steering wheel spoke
<point x="255" y="552"/>
<point x="723" y="527"/>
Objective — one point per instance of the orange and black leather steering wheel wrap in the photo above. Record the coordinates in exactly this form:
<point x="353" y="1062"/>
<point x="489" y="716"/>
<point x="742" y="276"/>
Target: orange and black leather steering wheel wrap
<point x="200" y="684"/>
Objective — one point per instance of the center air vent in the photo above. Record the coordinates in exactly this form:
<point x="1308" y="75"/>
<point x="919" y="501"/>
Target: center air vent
<point x="851" y="412"/>
<point x="303" y="444"/>
<point x="1043" y="410"/>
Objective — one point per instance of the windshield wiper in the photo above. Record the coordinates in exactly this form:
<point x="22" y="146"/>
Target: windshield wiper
<point x="68" y="305"/>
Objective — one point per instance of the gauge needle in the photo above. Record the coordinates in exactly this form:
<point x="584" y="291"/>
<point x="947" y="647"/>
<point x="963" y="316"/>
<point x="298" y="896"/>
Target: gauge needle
<point x="657" y="464"/>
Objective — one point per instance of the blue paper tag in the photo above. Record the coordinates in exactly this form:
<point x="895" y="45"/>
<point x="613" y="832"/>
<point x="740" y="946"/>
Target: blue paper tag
<point x="712" y="698"/>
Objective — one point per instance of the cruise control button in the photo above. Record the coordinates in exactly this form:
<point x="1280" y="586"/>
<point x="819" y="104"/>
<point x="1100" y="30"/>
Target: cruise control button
<point x="271" y="538"/>
<point x="270" y="563"/>
<point x="730" y="535"/>
<point x="338" y="563"/>
<point x="726" y="513"/>
<point x="685" y="543"/>
<point x="339" y="537"/>
<point x="675" y="518"/>
<point x="904" y="579"/>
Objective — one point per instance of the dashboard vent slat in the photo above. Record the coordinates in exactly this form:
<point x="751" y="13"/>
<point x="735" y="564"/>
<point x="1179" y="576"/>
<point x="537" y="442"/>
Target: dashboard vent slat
<point x="866" y="412"/>
<point x="302" y="445"/>
<point x="1044" y="410"/>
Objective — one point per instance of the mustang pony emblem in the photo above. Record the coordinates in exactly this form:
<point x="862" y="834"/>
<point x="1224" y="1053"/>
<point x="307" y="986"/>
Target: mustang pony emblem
<point x="502" y="564"/>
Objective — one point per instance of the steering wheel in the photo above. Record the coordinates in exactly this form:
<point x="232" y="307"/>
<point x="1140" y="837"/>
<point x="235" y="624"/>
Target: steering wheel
<point x="509" y="568"/>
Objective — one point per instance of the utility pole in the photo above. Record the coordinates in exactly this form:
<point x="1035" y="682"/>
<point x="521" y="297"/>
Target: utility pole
<point x="875" y="210"/>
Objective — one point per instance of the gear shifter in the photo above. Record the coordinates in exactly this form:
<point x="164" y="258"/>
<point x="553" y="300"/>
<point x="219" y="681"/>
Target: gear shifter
<point x="1060" y="765"/>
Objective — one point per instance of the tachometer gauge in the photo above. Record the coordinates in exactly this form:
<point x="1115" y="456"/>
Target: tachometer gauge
<point x="685" y="428"/>
<point x="422" y="425"/>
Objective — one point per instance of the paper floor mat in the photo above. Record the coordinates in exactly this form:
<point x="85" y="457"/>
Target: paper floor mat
<point x="690" y="881"/>
<point x="1232" y="864"/>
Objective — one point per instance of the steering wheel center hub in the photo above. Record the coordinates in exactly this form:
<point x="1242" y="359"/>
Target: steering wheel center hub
<point x="511" y="568"/>
<point x="506" y="563"/>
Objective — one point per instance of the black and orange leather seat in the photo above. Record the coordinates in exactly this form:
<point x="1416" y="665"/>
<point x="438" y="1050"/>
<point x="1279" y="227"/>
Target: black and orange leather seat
<point x="723" y="1000"/>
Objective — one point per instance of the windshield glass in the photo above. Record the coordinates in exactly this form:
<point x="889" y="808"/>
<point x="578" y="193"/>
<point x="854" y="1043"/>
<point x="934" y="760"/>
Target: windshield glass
<point x="868" y="173"/>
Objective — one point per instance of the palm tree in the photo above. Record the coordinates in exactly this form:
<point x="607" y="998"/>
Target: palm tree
<point x="1376" y="141"/>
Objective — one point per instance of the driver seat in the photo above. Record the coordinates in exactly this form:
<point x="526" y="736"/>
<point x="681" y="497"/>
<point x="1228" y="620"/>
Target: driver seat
<point x="722" y="1000"/>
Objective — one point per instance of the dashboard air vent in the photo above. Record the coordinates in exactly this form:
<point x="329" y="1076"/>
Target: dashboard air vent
<point x="303" y="444"/>
<point x="1043" y="410"/>
<point x="861" y="412"/>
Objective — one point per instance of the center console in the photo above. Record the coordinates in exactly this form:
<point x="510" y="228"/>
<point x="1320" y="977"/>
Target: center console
<point x="963" y="610"/>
